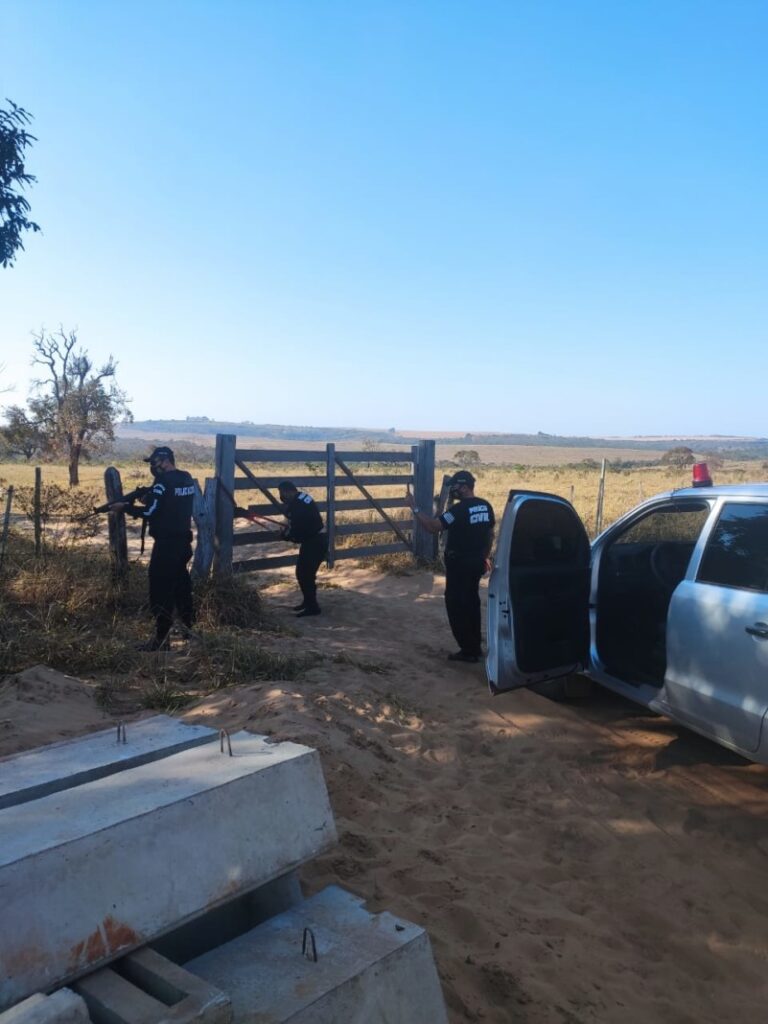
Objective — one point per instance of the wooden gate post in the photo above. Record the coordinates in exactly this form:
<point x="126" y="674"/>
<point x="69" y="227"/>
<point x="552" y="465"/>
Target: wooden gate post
<point x="204" y="515"/>
<point x="118" y="540"/>
<point x="6" y="523"/>
<point x="37" y="512"/>
<point x="600" y="498"/>
<point x="330" y="519"/>
<point x="225" y="513"/>
<point x="424" y="542"/>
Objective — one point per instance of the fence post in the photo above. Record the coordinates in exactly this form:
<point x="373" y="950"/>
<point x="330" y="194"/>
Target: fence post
<point x="330" y="521"/>
<point x="118" y="540"/>
<point x="424" y="542"/>
<point x="226" y="445"/>
<point x="442" y="498"/>
<point x="600" y="496"/>
<point x="6" y="523"/>
<point x="440" y="506"/>
<point x="414" y="471"/>
<point x="204" y="515"/>
<point x="36" y="512"/>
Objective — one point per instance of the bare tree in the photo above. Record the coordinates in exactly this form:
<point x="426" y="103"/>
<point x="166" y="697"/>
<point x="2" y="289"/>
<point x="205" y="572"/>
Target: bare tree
<point x="6" y="387"/>
<point x="78" y="404"/>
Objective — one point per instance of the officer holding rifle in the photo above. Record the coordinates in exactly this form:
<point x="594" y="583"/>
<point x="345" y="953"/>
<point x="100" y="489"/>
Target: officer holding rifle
<point x="166" y="508"/>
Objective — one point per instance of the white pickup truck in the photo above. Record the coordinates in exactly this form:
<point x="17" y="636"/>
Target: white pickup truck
<point x="668" y="606"/>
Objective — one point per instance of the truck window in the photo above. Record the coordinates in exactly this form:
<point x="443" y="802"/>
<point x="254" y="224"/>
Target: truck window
<point x="737" y="552"/>
<point x="547" y="534"/>
<point x="640" y="568"/>
<point x="675" y="522"/>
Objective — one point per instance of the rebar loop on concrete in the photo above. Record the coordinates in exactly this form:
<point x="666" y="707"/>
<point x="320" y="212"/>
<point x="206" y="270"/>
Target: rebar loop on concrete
<point x="121" y="733"/>
<point x="223" y="734"/>
<point x="308" y="946"/>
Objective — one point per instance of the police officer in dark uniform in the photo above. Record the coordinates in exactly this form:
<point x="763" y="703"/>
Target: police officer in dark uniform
<point x="305" y="528"/>
<point x="167" y="510"/>
<point x="470" y="524"/>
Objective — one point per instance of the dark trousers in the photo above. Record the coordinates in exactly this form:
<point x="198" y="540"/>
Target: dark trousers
<point x="311" y="554"/>
<point x="462" y="600"/>
<point x="169" y="583"/>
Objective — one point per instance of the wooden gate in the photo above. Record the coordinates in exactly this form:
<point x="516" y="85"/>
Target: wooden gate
<point x="331" y="471"/>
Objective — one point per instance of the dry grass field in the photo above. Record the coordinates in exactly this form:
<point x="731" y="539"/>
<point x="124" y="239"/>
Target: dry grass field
<point x="543" y="455"/>
<point x="624" y="488"/>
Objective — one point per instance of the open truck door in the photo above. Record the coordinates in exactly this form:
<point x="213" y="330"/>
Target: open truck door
<point x="538" y="595"/>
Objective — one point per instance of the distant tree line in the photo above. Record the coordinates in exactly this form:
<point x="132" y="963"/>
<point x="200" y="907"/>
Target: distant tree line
<point x="203" y="425"/>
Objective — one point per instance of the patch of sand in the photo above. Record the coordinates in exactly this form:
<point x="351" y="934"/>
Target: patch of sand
<point x="586" y="863"/>
<point x="41" y="705"/>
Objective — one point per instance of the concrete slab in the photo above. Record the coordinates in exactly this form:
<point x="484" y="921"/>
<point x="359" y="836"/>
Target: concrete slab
<point x="93" y="872"/>
<point x="370" y="968"/>
<point x="145" y="988"/>
<point x="226" y="922"/>
<point x="59" y="766"/>
<point x="63" y="1007"/>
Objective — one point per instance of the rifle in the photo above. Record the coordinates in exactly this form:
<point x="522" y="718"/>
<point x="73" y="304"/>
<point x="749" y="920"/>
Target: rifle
<point x="243" y="513"/>
<point x="127" y="499"/>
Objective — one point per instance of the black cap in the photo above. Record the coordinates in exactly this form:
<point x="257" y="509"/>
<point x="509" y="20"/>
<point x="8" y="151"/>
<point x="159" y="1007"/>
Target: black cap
<point x="161" y="453"/>
<point x="463" y="476"/>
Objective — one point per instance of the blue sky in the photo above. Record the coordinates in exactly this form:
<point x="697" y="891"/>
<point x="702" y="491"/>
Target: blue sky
<point x="516" y="216"/>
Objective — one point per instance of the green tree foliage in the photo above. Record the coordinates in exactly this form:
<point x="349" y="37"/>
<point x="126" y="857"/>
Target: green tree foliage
<point x="21" y="435"/>
<point x="14" y="140"/>
<point x="76" y="405"/>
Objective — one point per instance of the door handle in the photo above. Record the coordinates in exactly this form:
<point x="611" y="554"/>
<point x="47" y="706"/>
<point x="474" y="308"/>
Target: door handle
<point x="759" y="629"/>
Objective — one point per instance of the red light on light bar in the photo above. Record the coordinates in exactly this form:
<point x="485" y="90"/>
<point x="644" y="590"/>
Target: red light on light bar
<point x="701" y="477"/>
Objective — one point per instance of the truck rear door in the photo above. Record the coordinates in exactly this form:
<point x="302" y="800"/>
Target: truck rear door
<point x="717" y="631"/>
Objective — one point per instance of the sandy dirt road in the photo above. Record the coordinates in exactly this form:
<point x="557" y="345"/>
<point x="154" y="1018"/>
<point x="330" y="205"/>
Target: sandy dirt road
<point x="572" y="863"/>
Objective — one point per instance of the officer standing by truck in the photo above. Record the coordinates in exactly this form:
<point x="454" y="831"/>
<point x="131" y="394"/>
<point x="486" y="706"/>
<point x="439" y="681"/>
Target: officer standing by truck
<point x="470" y="524"/>
<point x="167" y="510"/>
<point x="305" y="528"/>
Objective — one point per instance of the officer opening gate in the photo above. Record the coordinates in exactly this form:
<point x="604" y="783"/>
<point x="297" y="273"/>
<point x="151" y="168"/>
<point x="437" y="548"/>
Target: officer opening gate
<point x="342" y="484"/>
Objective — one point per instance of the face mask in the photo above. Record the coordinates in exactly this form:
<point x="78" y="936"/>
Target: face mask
<point x="455" y="492"/>
<point x="155" y="470"/>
